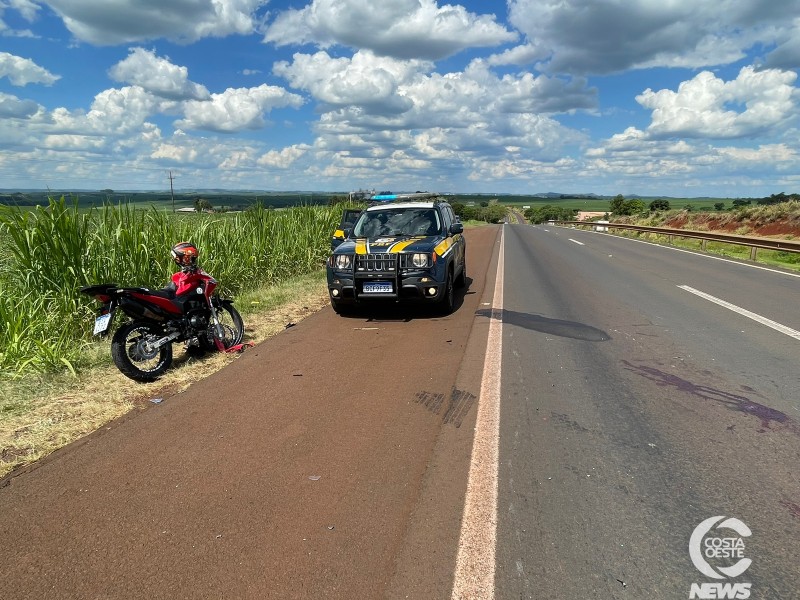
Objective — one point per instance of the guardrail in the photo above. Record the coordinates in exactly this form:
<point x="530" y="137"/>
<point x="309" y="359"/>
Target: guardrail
<point x="753" y="242"/>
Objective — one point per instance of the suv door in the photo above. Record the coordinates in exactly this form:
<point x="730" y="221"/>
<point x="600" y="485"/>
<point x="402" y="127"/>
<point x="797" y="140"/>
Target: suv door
<point x="349" y="218"/>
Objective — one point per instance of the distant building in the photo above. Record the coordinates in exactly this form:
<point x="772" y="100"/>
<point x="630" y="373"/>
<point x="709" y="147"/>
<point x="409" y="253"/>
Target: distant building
<point x="585" y="215"/>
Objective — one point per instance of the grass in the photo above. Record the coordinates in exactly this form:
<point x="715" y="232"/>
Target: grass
<point x="40" y="413"/>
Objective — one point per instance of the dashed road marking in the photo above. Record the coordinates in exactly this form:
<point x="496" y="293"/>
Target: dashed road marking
<point x="744" y="312"/>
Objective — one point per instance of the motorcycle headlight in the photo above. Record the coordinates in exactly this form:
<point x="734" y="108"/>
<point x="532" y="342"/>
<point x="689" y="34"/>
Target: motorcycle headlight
<point x="342" y="261"/>
<point x="420" y="260"/>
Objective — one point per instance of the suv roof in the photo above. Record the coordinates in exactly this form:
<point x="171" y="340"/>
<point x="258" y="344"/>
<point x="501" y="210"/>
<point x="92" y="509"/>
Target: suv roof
<point x="384" y="197"/>
<point x="383" y="205"/>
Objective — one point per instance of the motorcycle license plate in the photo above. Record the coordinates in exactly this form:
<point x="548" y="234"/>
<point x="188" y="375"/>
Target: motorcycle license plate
<point x="101" y="323"/>
<point x="378" y="287"/>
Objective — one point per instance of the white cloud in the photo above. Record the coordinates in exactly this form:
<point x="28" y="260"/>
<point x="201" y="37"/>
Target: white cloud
<point x="365" y="80"/>
<point x="586" y="36"/>
<point x="381" y="115"/>
<point x="640" y="161"/>
<point x="706" y="106"/>
<point x="482" y="170"/>
<point x="178" y="154"/>
<point x="27" y="10"/>
<point x="82" y="143"/>
<point x="369" y="92"/>
<point x="12" y="107"/>
<point x="524" y="54"/>
<point x="113" y="113"/>
<point x="236" y="109"/>
<point x="157" y="76"/>
<point x="787" y="53"/>
<point x="398" y="28"/>
<point x="283" y="159"/>
<point x="22" y="71"/>
<point x="113" y="22"/>
<point x="768" y="153"/>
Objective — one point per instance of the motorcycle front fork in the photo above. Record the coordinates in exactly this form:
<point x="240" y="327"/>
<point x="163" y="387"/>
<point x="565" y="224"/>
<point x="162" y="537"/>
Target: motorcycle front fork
<point x="219" y="332"/>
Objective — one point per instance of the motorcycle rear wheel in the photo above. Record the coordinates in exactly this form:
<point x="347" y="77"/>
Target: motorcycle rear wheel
<point x="232" y="327"/>
<point x="131" y="356"/>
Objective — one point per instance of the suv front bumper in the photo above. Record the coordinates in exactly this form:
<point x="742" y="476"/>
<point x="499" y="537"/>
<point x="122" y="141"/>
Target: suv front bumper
<point x="420" y="286"/>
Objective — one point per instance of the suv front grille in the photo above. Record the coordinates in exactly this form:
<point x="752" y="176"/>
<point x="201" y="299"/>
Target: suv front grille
<point x="376" y="263"/>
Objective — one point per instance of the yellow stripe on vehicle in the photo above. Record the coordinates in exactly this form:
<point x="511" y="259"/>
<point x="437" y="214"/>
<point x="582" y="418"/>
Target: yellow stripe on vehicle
<point x="338" y="234"/>
<point x="400" y="246"/>
<point x="444" y="246"/>
<point x="361" y="247"/>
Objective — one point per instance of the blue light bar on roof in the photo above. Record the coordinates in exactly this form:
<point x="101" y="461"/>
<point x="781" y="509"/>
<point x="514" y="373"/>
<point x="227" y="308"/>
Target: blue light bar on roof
<point x="384" y="197"/>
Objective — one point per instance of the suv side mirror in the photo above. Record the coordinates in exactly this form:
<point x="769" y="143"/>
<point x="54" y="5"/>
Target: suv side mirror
<point x="456" y="228"/>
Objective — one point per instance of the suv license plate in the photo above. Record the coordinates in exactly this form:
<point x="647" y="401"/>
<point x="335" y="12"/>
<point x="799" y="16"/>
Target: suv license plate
<point x="377" y="287"/>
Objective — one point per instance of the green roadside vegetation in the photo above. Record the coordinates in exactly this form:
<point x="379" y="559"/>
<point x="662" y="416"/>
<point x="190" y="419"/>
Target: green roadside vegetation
<point x="776" y="220"/>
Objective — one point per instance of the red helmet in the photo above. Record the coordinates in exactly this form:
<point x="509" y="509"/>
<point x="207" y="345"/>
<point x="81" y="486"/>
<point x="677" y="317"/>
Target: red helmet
<point x="185" y="254"/>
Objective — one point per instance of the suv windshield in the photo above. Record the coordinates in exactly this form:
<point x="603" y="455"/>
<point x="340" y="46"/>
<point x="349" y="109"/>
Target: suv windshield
<point x="397" y="222"/>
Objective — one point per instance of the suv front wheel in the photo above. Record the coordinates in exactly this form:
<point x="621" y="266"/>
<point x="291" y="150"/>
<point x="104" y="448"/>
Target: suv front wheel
<point x="462" y="278"/>
<point x="447" y="301"/>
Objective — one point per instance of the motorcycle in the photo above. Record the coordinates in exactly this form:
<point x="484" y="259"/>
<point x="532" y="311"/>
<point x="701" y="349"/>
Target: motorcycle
<point x="142" y="347"/>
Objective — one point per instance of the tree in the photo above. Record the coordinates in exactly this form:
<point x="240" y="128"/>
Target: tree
<point x="622" y="207"/>
<point x="617" y="205"/>
<point x="719" y="206"/>
<point x="548" y="212"/>
<point x="634" y="207"/>
<point x="201" y="205"/>
<point x="659" y="205"/>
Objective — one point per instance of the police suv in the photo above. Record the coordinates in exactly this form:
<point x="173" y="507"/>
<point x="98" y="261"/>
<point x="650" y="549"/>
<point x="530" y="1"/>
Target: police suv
<point x="402" y="248"/>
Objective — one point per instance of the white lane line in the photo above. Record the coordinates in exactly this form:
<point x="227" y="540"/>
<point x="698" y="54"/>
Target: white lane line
<point x="746" y="313"/>
<point x="576" y="242"/>
<point x="475" y="564"/>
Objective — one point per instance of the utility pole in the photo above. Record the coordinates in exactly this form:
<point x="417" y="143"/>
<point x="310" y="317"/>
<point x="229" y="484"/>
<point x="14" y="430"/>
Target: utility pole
<point x="171" y="191"/>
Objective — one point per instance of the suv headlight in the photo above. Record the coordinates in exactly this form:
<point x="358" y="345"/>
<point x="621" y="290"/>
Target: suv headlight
<point x="420" y="260"/>
<point x="342" y="261"/>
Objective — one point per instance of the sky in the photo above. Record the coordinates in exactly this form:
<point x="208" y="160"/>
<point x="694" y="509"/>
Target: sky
<point x="677" y="98"/>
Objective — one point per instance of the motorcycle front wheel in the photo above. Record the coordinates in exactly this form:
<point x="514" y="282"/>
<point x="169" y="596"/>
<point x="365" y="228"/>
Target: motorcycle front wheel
<point x="132" y="355"/>
<point x="232" y="329"/>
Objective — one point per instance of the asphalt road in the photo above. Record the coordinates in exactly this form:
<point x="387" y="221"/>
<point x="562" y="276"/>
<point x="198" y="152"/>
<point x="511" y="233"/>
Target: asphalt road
<point x="332" y="460"/>
<point x="632" y="410"/>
